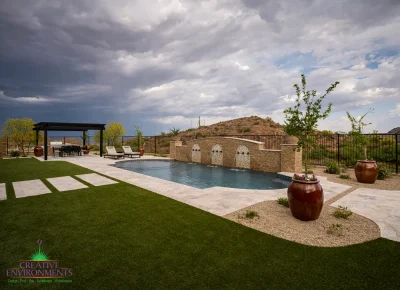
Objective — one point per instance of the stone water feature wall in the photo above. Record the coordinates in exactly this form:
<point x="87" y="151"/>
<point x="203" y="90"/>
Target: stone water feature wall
<point x="286" y="159"/>
<point x="196" y="153"/>
<point x="217" y="155"/>
<point x="242" y="157"/>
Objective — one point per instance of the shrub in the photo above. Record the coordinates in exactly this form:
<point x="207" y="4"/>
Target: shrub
<point x="247" y="129"/>
<point x="335" y="229"/>
<point x="384" y="171"/>
<point x="304" y="177"/>
<point x="283" y="201"/>
<point x="14" y="153"/>
<point x="250" y="214"/>
<point x="309" y="171"/>
<point x="342" y="212"/>
<point x="344" y="176"/>
<point x="332" y="167"/>
<point x="256" y="123"/>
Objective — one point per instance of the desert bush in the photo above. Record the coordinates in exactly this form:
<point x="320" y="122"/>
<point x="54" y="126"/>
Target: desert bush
<point x="247" y="129"/>
<point x="250" y="214"/>
<point x="335" y="229"/>
<point x="384" y="171"/>
<point x="332" y="167"/>
<point x="342" y="212"/>
<point x="283" y="201"/>
<point x="344" y="176"/>
<point x="14" y="153"/>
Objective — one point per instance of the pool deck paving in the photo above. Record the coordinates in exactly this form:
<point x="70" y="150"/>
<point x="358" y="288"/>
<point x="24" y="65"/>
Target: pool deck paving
<point x="3" y="193"/>
<point x="29" y="188"/>
<point x="381" y="206"/>
<point x="66" y="183"/>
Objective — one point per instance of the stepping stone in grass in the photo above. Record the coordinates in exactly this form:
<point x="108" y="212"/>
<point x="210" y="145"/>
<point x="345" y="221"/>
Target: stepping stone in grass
<point x="3" y="194"/>
<point x="95" y="179"/>
<point x="29" y="188"/>
<point x="66" y="183"/>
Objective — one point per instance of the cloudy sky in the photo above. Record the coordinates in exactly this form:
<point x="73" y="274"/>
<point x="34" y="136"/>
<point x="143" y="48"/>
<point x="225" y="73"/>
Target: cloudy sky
<point x="161" y="64"/>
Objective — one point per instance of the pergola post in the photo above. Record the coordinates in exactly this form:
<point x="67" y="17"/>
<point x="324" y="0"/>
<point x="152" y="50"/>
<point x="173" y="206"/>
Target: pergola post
<point x="45" y="144"/>
<point x="101" y="142"/>
<point x="37" y="137"/>
<point x="84" y="138"/>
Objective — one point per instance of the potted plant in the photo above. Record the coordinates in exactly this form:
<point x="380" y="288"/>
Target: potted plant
<point x="85" y="139"/>
<point x="174" y="133"/>
<point x="366" y="170"/>
<point x="305" y="194"/>
<point x="139" y="137"/>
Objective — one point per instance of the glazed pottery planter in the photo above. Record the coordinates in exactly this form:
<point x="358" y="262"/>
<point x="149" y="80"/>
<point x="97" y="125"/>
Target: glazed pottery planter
<point x="85" y="150"/>
<point x="366" y="171"/>
<point x="38" y="151"/>
<point x="141" y="151"/>
<point x="288" y="139"/>
<point x="306" y="199"/>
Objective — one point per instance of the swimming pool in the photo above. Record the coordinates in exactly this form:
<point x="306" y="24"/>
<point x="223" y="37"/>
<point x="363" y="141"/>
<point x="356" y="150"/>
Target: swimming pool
<point x="205" y="176"/>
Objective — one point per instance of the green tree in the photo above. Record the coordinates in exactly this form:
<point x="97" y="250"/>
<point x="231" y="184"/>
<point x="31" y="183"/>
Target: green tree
<point x="111" y="134"/>
<point x="19" y="130"/>
<point x="304" y="123"/>
<point x="357" y="127"/>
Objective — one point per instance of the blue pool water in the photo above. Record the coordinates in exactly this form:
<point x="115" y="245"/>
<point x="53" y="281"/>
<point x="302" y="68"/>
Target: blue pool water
<point x="204" y="176"/>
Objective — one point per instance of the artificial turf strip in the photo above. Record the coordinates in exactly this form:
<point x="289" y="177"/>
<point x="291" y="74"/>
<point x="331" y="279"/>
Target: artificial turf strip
<point x="124" y="237"/>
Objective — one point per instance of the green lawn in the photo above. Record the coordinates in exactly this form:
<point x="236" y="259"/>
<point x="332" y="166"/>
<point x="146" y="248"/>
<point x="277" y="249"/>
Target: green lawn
<point x="123" y="237"/>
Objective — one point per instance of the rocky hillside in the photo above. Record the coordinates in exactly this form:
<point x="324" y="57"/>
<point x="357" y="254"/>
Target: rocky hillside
<point x="242" y="126"/>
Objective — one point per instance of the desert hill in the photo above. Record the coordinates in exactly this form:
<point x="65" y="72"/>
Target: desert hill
<point x="252" y="125"/>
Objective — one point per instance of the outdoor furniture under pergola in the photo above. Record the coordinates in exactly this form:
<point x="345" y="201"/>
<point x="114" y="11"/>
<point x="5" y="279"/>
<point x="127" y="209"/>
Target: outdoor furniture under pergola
<point x="56" y="126"/>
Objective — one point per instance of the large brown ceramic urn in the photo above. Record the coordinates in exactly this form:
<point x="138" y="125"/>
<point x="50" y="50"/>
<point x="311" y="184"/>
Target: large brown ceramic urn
<point x="306" y="199"/>
<point x="141" y="151"/>
<point x="38" y="151"/>
<point x="366" y="171"/>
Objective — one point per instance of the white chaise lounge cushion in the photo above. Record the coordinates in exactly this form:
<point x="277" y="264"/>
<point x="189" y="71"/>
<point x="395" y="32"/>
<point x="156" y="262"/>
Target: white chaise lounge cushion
<point x="111" y="151"/>
<point x="128" y="150"/>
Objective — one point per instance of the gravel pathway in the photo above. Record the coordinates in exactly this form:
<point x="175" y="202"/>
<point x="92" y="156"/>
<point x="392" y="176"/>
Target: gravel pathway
<point x="277" y="220"/>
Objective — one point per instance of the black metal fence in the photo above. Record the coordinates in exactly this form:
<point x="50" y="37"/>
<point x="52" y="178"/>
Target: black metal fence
<point x="343" y="148"/>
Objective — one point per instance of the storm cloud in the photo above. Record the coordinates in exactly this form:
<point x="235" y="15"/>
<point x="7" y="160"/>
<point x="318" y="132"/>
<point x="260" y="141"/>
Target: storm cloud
<point x="161" y="64"/>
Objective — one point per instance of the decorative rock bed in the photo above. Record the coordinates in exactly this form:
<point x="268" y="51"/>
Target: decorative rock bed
<point x="277" y="220"/>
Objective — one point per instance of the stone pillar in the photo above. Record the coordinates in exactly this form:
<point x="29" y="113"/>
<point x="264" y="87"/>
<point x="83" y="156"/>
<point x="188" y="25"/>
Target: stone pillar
<point x="172" y="148"/>
<point x="291" y="159"/>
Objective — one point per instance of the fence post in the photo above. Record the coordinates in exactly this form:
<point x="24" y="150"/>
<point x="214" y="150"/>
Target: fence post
<point x="397" y="153"/>
<point x="338" y="147"/>
<point x="155" y="144"/>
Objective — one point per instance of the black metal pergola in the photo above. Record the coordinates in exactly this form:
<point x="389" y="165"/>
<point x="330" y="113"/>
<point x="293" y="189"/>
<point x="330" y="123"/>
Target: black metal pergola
<point x="56" y="126"/>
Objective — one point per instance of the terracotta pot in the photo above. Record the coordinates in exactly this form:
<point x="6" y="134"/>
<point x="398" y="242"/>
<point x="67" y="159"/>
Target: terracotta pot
<point x="366" y="171"/>
<point x="85" y="150"/>
<point x="141" y="151"/>
<point x="38" y="151"/>
<point x="288" y="139"/>
<point x="306" y="199"/>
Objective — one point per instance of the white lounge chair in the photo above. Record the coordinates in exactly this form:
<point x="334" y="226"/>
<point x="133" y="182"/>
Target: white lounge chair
<point x="111" y="152"/>
<point x="128" y="152"/>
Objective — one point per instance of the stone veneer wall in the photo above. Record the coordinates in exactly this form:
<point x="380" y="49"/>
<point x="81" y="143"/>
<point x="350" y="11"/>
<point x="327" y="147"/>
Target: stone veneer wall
<point x="217" y="155"/>
<point x="259" y="158"/>
<point x="196" y="153"/>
